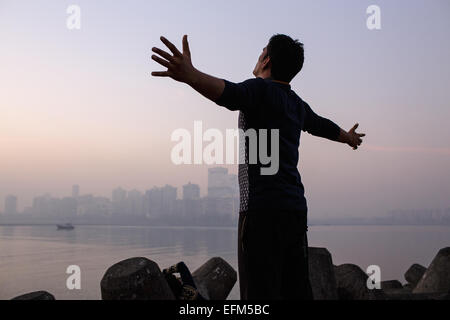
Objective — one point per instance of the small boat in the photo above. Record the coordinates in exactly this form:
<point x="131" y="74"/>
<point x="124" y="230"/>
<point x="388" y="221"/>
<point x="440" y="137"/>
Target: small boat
<point x="67" y="226"/>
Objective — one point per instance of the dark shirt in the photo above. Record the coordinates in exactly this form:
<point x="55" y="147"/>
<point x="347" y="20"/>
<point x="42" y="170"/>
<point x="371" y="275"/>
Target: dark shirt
<point x="266" y="104"/>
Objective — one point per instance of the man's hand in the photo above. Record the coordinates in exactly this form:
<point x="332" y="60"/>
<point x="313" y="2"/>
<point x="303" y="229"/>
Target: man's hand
<point x="352" y="138"/>
<point x="179" y="65"/>
<point x="180" y="68"/>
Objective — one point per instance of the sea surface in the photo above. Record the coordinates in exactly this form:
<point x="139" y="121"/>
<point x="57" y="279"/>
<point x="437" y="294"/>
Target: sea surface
<point x="36" y="257"/>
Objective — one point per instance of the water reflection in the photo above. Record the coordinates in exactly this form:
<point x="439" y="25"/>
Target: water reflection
<point x="191" y="240"/>
<point x="36" y="257"/>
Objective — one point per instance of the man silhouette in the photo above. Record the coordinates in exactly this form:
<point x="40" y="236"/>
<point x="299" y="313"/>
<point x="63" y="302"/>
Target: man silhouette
<point x="272" y="241"/>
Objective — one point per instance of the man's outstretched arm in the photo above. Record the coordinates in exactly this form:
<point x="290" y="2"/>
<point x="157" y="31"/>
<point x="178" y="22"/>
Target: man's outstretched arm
<point x="325" y="128"/>
<point x="179" y="67"/>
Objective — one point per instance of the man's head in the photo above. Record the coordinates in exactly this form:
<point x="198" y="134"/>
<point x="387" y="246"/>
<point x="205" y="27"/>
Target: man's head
<point x="281" y="59"/>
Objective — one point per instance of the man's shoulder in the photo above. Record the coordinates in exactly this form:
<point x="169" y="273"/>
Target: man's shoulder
<point x="267" y="83"/>
<point x="256" y="81"/>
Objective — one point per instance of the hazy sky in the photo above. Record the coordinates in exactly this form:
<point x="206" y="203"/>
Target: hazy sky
<point x="80" y="106"/>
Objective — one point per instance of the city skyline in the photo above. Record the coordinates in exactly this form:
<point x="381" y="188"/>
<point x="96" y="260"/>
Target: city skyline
<point x="191" y="191"/>
<point x="153" y="205"/>
<point x="72" y="193"/>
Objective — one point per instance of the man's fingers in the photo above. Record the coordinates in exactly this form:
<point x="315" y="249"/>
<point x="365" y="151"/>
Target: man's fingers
<point x="161" y="73"/>
<point x="171" y="47"/>
<point x="161" y="61"/>
<point x="354" y="127"/>
<point x="163" y="54"/>
<point x="186" y="45"/>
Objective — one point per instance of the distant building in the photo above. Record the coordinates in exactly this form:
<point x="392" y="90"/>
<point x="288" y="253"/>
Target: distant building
<point x="119" y="195"/>
<point x="119" y="201"/>
<point x="27" y="210"/>
<point x="169" y="197"/>
<point x="160" y="201"/>
<point x="85" y="205"/>
<point x="68" y="207"/>
<point x="10" y="204"/>
<point x="75" y="191"/>
<point x="223" y="193"/>
<point x="219" y="206"/>
<point x="191" y="191"/>
<point x="219" y="183"/>
<point x="234" y="185"/>
<point x="135" y="203"/>
<point x="40" y="205"/>
<point x="88" y="205"/>
<point x="46" y="205"/>
<point x="189" y="210"/>
<point x="153" y="202"/>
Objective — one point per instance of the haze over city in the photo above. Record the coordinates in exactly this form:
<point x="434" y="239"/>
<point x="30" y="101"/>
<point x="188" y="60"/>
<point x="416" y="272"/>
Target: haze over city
<point x="80" y="106"/>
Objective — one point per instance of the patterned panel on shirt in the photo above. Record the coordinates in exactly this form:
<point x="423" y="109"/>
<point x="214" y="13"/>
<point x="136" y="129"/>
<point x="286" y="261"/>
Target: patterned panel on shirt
<point x="243" y="167"/>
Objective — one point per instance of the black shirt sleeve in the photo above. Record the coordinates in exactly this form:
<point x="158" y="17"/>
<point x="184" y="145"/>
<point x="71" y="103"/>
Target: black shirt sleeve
<point x="242" y="96"/>
<point x="319" y="126"/>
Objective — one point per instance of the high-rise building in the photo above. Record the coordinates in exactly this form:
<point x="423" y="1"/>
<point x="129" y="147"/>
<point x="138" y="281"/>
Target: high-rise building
<point x="41" y="205"/>
<point x="234" y="185"/>
<point x="10" y="204"/>
<point x="68" y="207"/>
<point x="191" y="206"/>
<point x="119" y="201"/>
<point x="219" y="185"/>
<point x="75" y="191"/>
<point x="223" y="193"/>
<point x="169" y="197"/>
<point x="219" y="206"/>
<point x="135" y="203"/>
<point x="191" y="191"/>
<point x="91" y="206"/>
<point x="160" y="201"/>
<point x="154" y="202"/>
<point x="119" y="194"/>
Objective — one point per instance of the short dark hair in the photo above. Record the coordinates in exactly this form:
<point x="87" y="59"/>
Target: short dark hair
<point x="286" y="56"/>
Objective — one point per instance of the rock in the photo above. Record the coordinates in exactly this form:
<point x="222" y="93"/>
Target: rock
<point x="391" y="284"/>
<point x="37" y="295"/>
<point x="135" y="279"/>
<point x="402" y="290"/>
<point x="351" y="283"/>
<point x="437" y="276"/>
<point x="321" y="274"/>
<point x="408" y="287"/>
<point x="405" y="289"/>
<point x="215" y="279"/>
<point x="414" y="274"/>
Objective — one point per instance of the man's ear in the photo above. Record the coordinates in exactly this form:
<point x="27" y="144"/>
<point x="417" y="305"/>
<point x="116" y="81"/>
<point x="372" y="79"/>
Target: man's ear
<point x="266" y="63"/>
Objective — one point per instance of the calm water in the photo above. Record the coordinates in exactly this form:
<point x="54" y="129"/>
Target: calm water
<point x="36" y="257"/>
